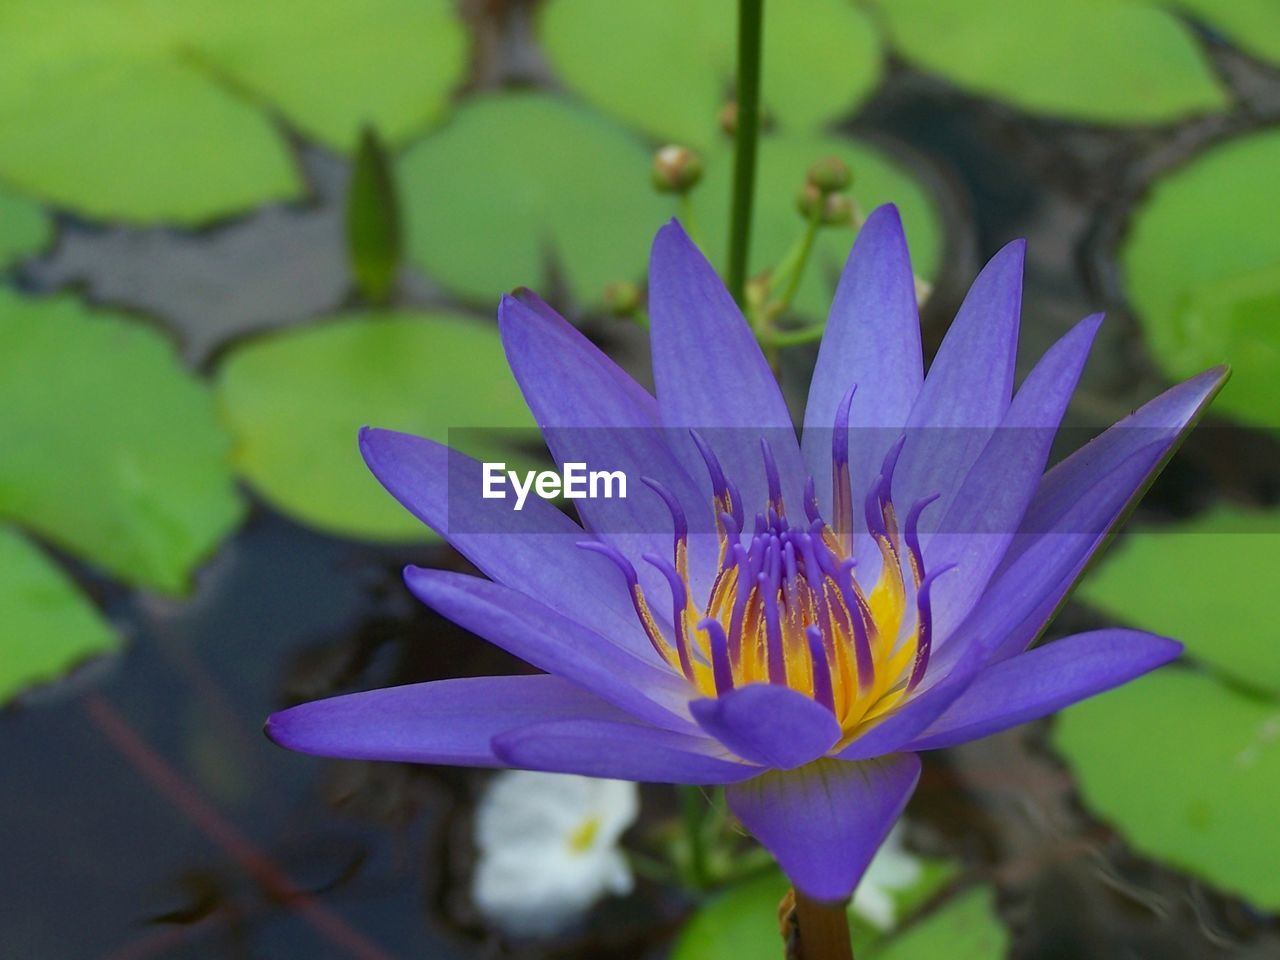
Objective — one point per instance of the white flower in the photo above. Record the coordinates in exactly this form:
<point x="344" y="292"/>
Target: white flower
<point x="548" y="846"/>
<point x="892" y="869"/>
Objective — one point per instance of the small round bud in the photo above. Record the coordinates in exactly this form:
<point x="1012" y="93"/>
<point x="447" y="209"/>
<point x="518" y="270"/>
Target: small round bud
<point x="810" y="201"/>
<point x="831" y="209"/>
<point x="830" y="174"/>
<point x="728" y="118"/>
<point x="622" y="298"/>
<point x="676" y="169"/>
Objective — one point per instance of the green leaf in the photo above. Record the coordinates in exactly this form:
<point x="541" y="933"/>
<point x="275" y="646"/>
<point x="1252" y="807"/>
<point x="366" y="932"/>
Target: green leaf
<point x="667" y="66"/>
<point x="111" y="449"/>
<point x="1202" y="263"/>
<point x="783" y="163"/>
<point x="194" y="88"/>
<point x="49" y="626"/>
<point x="1099" y="61"/>
<point x="1253" y="24"/>
<point x="1207" y="583"/>
<point x="23" y="226"/>
<point x="296" y="400"/>
<point x="373" y="221"/>
<point x="1189" y="770"/>
<point x="964" y="928"/>
<point x="519" y="184"/>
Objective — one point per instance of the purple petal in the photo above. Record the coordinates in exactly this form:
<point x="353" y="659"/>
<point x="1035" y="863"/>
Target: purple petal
<point x="970" y="382"/>
<point x="710" y="373"/>
<point x="619" y="751"/>
<point x="590" y="411"/>
<point x="768" y="724"/>
<point x="992" y="501"/>
<point x="872" y="340"/>
<point x="532" y="551"/>
<point x="1075" y="509"/>
<point x="445" y="721"/>
<point x="1044" y="680"/>
<point x="824" y="822"/>
<point x="551" y="642"/>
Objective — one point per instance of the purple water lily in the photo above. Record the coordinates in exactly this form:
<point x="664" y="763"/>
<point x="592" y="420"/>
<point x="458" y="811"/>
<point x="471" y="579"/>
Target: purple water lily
<point x="761" y="617"/>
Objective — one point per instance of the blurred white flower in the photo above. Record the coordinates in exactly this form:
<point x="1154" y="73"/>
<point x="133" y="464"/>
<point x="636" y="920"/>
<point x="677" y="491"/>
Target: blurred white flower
<point x="893" y="868"/>
<point x="548" y="848"/>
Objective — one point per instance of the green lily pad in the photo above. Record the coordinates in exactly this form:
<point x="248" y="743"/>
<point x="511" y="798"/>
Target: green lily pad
<point x="23" y="226"/>
<point x="1097" y="61"/>
<point x="111" y="449"/>
<point x="741" y="923"/>
<point x="519" y="184"/>
<point x="1253" y="24"/>
<point x="1207" y="583"/>
<point x="783" y="163"/>
<point x="296" y="400"/>
<point x="194" y="88"/>
<point x="49" y="626"/>
<point x="1189" y="770"/>
<point x="1202" y="263"/>
<point x="668" y="66"/>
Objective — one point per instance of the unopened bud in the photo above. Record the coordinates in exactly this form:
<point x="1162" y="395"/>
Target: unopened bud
<point x="728" y="118"/>
<point x="830" y="174"/>
<point x="831" y="209"/>
<point x="676" y="169"/>
<point x="622" y="298"/>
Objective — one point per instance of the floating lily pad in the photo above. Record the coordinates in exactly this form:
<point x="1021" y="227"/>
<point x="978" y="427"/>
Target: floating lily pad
<point x="668" y="66"/>
<point x="111" y="449"/>
<point x="1091" y="60"/>
<point x="23" y="226"/>
<point x="296" y="400"/>
<point x="741" y="924"/>
<point x="783" y="163"/>
<point x="49" y="626"/>
<point x="1252" y="24"/>
<point x="1208" y="583"/>
<point x="519" y="185"/>
<point x="144" y="111"/>
<point x="1189" y="770"/>
<point x="1202" y="263"/>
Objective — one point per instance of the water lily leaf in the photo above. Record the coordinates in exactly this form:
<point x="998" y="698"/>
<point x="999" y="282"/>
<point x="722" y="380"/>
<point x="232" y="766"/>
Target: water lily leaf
<point x="194" y="88"/>
<point x="668" y="66"/>
<point x="23" y="226"/>
<point x="1091" y="60"/>
<point x="296" y="400"/>
<point x="49" y="626"/>
<point x="783" y="162"/>
<point x="1189" y="770"/>
<point x="1202" y="263"/>
<point x="741" y="924"/>
<point x="1253" y="24"/>
<point x="1207" y="583"/>
<point x="111" y="450"/>
<point x="518" y="184"/>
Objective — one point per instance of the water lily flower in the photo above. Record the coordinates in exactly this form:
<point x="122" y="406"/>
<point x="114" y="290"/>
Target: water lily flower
<point x="548" y="848"/>
<point x="796" y="620"/>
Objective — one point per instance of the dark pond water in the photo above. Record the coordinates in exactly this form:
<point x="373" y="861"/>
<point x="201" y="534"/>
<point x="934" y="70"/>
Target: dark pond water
<point x="143" y="814"/>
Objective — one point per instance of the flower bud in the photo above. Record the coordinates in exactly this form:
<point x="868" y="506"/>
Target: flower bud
<point x="830" y="174"/>
<point x="832" y="209"/>
<point x="728" y="118"/>
<point x="622" y="298"/>
<point x="676" y="169"/>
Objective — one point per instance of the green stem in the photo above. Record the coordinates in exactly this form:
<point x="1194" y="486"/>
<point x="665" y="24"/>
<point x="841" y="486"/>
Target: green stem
<point x="801" y="261"/>
<point x="750" y="16"/>
<point x="693" y="806"/>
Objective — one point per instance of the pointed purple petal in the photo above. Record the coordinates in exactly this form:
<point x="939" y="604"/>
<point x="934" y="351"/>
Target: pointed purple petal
<point x="824" y="822"/>
<point x="710" y="374"/>
<point x="619" y="751"/>
<point x="540" y="636"/>
<point x="1044" y="680"/>
<point x="445" y="721"/>
<point x="872" y="340"/>
<point x="590" y="411"/>
<point x="769" y="724"/>
<point x="992" y="501"/>
<point x="532" y="551"/>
